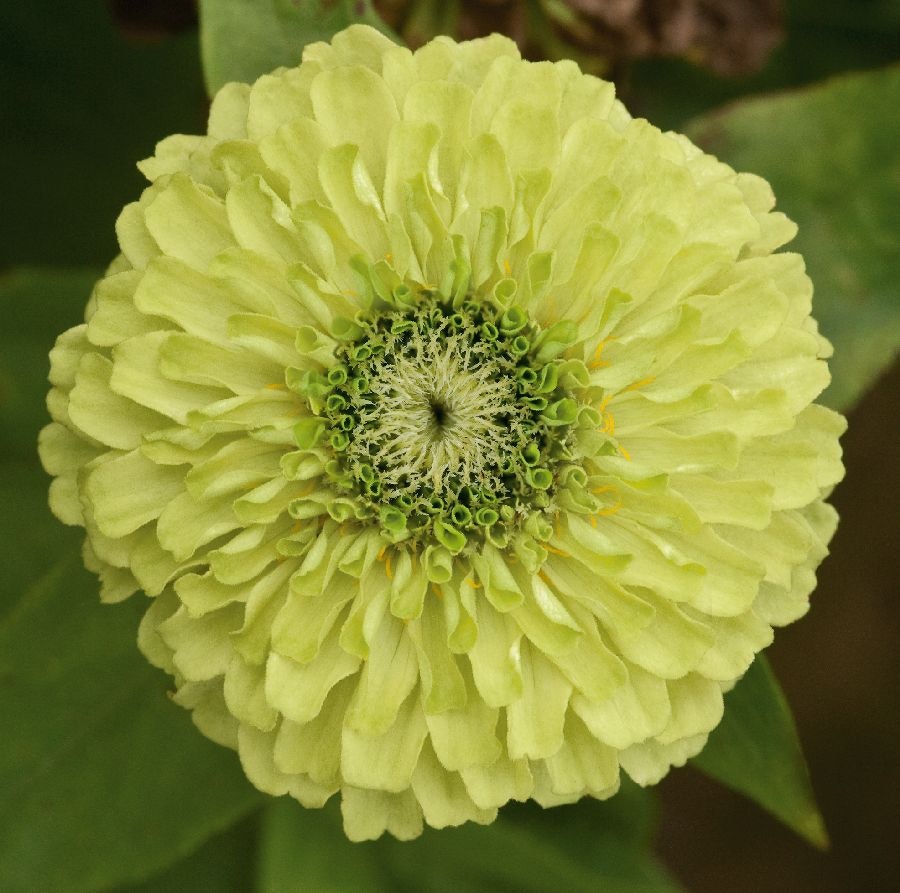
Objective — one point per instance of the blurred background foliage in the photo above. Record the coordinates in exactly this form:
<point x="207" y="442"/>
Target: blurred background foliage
<point x="104" y="785"/>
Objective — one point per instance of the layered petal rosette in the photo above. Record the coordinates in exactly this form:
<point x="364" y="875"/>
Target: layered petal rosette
<point x="458" y="426"/>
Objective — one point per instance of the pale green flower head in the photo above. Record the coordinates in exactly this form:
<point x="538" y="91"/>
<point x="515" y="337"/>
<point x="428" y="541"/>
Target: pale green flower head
<point x="459" y="426"/>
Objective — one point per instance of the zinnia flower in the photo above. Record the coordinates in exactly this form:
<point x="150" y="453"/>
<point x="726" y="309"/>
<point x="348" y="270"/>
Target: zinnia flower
<point x="458" y="425"/>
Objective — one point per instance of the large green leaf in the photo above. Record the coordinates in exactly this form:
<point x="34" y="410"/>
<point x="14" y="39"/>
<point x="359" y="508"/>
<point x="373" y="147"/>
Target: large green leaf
<point x="32" y="539"/>
<point x="79" y="107"/>
<point x="102" y="780"/>
<point x="34" y="307"/>
<point x="305" y="851"/>
<point x="755" y="750"/>
<point x="226" y="863"/>
<point x="242" y="39"/>
<point x="611" y="838"/>
<point x="832" y="155"/>
<point x="527" y="850"/>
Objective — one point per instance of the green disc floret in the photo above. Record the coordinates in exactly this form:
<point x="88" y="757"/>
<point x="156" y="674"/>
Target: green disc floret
<point x="444" y="425"/>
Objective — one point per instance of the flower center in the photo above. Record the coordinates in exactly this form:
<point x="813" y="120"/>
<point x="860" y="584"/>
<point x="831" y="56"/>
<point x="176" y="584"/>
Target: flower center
<point x="439" y="414"/>
<point x="446" y="421"/>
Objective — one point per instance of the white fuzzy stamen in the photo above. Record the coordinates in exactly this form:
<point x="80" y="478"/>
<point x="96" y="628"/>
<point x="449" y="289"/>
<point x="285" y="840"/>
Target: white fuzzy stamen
<point x="401" y="430"/>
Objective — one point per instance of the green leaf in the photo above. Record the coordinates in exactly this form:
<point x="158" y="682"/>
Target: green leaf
<point x="102" y="780"/>
<point x="832" y="156"/>
<point x="612" y="838"/>
<point x="35" y="305"/>
<point x="243" y="39"/>
<point x="80" y="105"/>
<point x="589" y="847"/>
<point x="502" y="857"/>
<point x="33" y="539"/>
<point x="305" y="851"/>
<point x="755" y="751"/>
<point x="226" y="863"/>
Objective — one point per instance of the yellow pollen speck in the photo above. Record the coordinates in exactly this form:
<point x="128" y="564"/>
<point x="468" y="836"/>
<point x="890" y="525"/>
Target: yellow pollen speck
<point x="596" y="361"/>
<point x="380" y="555"/>
<point x="507" y="267"/>
<point x="593" y="520"/>
<point x="387" y="567"/>
<point x="625" y="454"/>
<point x="436" y="590"/>
<point x="556" y="551"/>
<point x="473" y="584"/>
<point x="641" y="383"/>
<point x="276" y="386"/>
<point x="610" y="509"/>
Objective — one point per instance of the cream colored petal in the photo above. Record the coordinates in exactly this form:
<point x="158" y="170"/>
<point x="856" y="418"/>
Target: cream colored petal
<point x="368" y="814"/>
<point x="443" y="796"/>
<point x="385" y="761"/>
